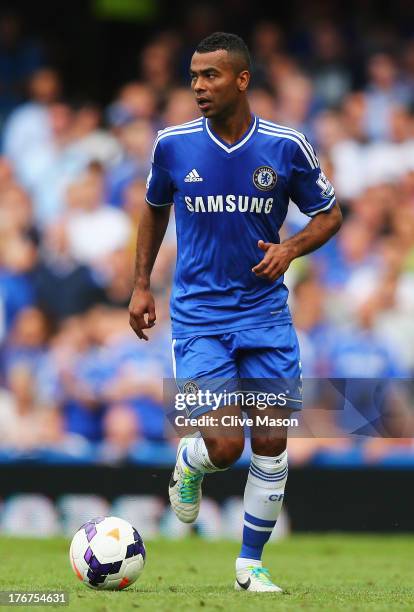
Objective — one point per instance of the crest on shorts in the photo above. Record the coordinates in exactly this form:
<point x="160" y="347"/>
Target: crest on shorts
<point x="190" y="387"/>
<point x="264" y="178"/>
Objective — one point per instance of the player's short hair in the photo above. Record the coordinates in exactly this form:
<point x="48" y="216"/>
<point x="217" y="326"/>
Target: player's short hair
<point x="229" y="42"/>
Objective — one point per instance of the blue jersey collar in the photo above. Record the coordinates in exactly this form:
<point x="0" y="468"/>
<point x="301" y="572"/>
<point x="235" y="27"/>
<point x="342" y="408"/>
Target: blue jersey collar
<point x="230" y="148"/>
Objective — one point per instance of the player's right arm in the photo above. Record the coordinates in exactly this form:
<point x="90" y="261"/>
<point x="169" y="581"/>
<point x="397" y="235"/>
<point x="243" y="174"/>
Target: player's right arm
<point x="152" y="227"/>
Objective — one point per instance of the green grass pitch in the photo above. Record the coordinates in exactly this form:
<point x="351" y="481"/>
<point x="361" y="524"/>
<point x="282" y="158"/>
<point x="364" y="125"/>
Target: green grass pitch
<point x="318" y="572"/>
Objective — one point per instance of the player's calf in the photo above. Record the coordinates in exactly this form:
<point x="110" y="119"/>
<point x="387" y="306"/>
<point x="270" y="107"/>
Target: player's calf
<point x="224" y="450"/>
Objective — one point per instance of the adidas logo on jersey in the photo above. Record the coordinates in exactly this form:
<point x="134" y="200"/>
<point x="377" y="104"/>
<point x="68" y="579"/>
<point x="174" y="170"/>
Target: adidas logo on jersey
<point x="193" y="177"/>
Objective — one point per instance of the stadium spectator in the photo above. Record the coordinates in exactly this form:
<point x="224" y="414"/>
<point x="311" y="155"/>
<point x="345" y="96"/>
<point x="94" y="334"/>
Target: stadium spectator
<point x="121" y="433"/>
<point x="267" y="40"/>
<point x="384" y="90"/>
<point x="59" y="274"/>
<point x="28" y="125"/>
<point x="88" y="215"/>
<point x="19" y="58"/>
<point x="157" y="69"/>
<point x="134" y="199"/>
<point x="21" y="429"/>
<point x="329" y="69"/>
<point x="56" y="166"/>
<point x="16" y="213"/>
<point x="117" y="278"/>
<point x="89" y="140"/>
<point x="17" y="255"/>
<point x="136" y="100"/>
<point x="180" y="107"/>
<point x="263" y="104"/>
<point x="295" y="102"/>
<point x="136" y="139"/>
<point x="311" y="317"/>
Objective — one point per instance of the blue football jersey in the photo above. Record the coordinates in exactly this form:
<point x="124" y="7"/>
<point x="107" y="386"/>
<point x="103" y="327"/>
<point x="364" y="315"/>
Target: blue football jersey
<point x="227" y="197"/>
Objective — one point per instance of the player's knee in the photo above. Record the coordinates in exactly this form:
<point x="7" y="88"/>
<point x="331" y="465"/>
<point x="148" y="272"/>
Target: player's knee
<point x="223" y="452"/>
<point x="268" y="446"/>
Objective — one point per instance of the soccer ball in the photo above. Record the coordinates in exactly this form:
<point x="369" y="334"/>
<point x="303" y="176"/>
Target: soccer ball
<point x="107" y="553"/>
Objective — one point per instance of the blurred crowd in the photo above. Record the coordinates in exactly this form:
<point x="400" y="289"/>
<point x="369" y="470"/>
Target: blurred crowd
<point x="73" y="377"/>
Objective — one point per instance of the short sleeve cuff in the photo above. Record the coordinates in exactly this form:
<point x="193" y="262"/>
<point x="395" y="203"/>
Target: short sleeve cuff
<point x="157" y="205"/>
<point x="325" y="208"/>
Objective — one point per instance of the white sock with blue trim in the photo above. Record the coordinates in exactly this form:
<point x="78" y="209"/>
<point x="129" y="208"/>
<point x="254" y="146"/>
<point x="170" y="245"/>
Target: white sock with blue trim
<point x="263" y="498"/>
<point x="195" y="457"/>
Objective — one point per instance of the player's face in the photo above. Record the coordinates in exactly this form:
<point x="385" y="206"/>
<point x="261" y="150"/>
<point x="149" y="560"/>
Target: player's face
<point x="216" y="82"/>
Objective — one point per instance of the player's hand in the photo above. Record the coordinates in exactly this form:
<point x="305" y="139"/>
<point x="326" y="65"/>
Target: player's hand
<point x="275" y="262"/>
<point x="141" y="304"/>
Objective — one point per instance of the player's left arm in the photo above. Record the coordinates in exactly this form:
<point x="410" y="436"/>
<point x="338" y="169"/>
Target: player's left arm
<point x="315" y="196"/>
<point x="278" y="257"/>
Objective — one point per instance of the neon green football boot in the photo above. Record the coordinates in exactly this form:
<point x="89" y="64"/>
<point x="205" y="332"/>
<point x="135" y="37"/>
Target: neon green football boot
<point x="185" y="488"/>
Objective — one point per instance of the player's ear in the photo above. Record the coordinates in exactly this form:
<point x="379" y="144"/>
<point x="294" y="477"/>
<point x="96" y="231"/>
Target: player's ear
<point x="243" y="80"/>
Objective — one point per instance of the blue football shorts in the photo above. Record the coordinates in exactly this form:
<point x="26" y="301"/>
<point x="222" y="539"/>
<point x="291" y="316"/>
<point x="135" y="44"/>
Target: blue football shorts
<point x="252" y="367"/>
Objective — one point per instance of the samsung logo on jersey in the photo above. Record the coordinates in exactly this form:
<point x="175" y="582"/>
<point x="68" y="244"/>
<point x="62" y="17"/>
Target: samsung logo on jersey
<point x="229" y="203"/>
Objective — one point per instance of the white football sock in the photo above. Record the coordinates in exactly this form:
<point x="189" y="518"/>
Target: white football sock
<point x="263" y="498"/>
<point x="242" y="563"/>
<point x="195" y="457"/>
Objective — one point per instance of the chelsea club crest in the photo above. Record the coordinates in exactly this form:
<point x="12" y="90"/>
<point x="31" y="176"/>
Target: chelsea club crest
<point x="264" y="178"/>
<point x="191" y="387"/>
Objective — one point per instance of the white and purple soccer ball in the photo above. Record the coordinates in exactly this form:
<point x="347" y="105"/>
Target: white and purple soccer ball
<point x="107" y="553"/>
